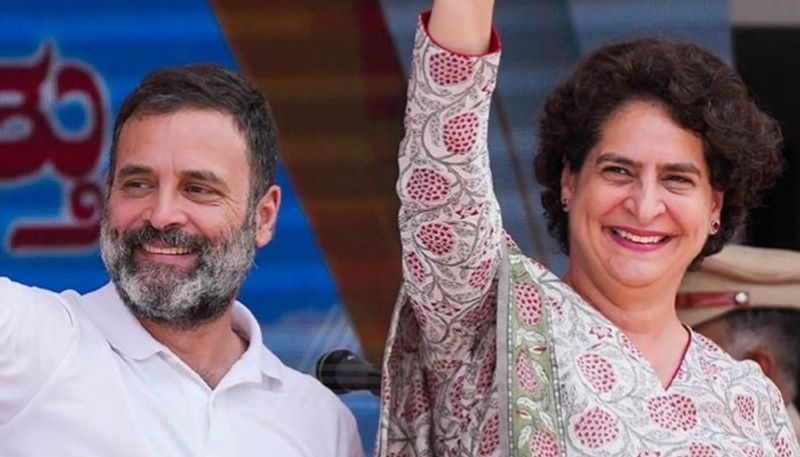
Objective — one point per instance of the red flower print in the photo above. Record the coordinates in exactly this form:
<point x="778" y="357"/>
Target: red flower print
<point x="673" y="412"/>
<point x="752" y="451"/>
<point x="598" y="371"/>
<point x="596" y="428"/>
<point x="782" y="446"/>
<point x="529" y="303"/>
<point x="526" y="376"/>
<point x="436" y="238"/>
<point x="427" y="186"/>
<point x="449" y="69"/>
<point x="480" y="276"/>
<point x="746" y="406"/>
<point x="702" y="450"/>
<point x="543" y="444"/>
<point x="480" y="314"/>
<point x="460" y="133"/>
<point x="416" y="402"/>
<point x="490" y="436"/>
<point x="486" y="373"/>
<point x="415" y="266"/>
<point x="509" y="242"/>
<point x="600" y="332"/>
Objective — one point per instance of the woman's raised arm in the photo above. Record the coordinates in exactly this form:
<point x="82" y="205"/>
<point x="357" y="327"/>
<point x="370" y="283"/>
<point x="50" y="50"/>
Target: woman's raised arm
<point x="462" y="26"/>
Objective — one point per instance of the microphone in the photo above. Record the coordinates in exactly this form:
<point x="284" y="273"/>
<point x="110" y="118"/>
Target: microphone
<point x="342" y="371"/>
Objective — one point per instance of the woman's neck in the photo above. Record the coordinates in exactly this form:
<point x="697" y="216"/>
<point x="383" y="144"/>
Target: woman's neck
<point x="644" y="311"/>
<point x="645" y="315"/>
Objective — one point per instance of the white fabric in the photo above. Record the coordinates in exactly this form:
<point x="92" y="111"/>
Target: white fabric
<point x="80" y="377"/>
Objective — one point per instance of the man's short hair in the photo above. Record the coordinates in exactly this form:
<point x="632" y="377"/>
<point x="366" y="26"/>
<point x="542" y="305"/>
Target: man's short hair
<point x="772" y="329"/>
<point x="212" y="87"/>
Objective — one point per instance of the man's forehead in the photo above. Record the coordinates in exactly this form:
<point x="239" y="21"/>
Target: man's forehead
<point x="187" y="134"/>
<point x="148" y="118"/>
<point x="199" y="174"/>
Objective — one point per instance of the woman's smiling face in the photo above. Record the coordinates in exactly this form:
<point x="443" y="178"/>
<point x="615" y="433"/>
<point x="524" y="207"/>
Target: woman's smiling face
<point x="642" y="205"/>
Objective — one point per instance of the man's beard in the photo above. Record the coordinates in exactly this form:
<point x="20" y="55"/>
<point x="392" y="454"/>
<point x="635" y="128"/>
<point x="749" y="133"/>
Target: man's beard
<point x="173" y="295"/>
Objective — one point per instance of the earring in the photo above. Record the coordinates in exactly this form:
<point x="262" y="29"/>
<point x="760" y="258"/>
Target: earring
<point x="715" y="226"/>
<point x="565" y="204"/>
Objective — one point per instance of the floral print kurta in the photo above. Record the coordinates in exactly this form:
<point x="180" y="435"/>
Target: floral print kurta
<point x="491" y="354"/>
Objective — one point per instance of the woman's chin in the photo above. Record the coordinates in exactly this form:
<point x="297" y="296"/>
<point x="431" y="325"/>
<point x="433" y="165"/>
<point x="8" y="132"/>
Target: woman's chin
<point x="638" y="275"/>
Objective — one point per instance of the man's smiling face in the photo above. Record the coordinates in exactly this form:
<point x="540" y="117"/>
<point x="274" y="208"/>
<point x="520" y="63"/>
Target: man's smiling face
<point x="178" y="235"/>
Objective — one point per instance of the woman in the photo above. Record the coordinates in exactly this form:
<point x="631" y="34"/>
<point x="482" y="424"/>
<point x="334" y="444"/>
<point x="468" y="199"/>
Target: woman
<point x="650" y="155"/>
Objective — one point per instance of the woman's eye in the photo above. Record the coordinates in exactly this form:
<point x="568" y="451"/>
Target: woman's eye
<point x="616" y="171"/>
<point x="680" y="180"/>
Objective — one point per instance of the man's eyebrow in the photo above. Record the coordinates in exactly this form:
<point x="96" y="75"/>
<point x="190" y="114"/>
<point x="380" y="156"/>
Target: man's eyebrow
<point x="198" y="175"/>
<point x="129" y="170"/>
<point x="203" y="175"/>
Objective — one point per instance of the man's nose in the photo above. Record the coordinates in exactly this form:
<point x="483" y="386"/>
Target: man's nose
<point x="166" y="211"/>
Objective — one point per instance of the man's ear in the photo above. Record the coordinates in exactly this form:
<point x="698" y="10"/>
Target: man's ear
<point x="267" y="215"/>
<point x="764" y="360"/>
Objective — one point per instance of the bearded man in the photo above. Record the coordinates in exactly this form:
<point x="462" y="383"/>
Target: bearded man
<point x="163" y="361"/>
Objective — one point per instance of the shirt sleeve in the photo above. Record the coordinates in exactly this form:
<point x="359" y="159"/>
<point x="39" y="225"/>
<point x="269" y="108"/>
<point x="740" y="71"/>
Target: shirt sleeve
<point x="349" y="438"/>
<point x="35" y="333"/>
<point x="449" y="219"/>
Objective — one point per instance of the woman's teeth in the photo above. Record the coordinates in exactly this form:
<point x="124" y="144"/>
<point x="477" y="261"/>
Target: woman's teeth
<point x="639" y="239"/>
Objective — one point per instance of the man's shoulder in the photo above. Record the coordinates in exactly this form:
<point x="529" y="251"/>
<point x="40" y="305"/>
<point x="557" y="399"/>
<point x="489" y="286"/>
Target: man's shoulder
<point x="302" y="388"/>
<point x="295" y="380"/>
<point x="13" y="287"/>
<point x="301" y="400"/>
<point x="32" y="295"/>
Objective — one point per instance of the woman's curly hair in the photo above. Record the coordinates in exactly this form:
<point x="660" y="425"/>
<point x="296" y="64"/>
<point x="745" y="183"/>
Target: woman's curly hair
<point x="702" y="94"/>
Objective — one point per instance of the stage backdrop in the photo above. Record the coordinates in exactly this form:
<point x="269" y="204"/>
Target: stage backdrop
<point x="334" y="72"/>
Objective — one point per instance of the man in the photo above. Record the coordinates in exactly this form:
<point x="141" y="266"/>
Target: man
<point x="747" y="300"/>
<point x="164" y="361"/>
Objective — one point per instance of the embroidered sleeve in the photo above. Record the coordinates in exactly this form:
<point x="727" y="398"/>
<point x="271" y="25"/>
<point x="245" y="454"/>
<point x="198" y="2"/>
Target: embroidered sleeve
<point x="778" y="426"/>
<point x="449" y="218"/>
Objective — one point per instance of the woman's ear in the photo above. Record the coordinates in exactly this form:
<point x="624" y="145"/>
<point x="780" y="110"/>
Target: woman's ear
<point x="717" y="200"/>
<point x="567" y="183"/>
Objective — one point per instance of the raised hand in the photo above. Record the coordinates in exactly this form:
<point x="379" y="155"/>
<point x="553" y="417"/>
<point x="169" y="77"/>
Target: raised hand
<point x="462" y="26"/>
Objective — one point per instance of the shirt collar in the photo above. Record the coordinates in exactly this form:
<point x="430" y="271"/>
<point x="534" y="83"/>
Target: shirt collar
<point x="256" y="353"/>
<point x="127" y="336"/>
<point x="118" y="325"/>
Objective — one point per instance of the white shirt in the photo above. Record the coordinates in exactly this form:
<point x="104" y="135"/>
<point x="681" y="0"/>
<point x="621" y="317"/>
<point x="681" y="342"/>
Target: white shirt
<point x="80" y="377"/>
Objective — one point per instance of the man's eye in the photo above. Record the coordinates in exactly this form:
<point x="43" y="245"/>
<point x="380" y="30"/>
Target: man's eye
<point x="135" y="185"/>
<point x="199" y="190"/>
